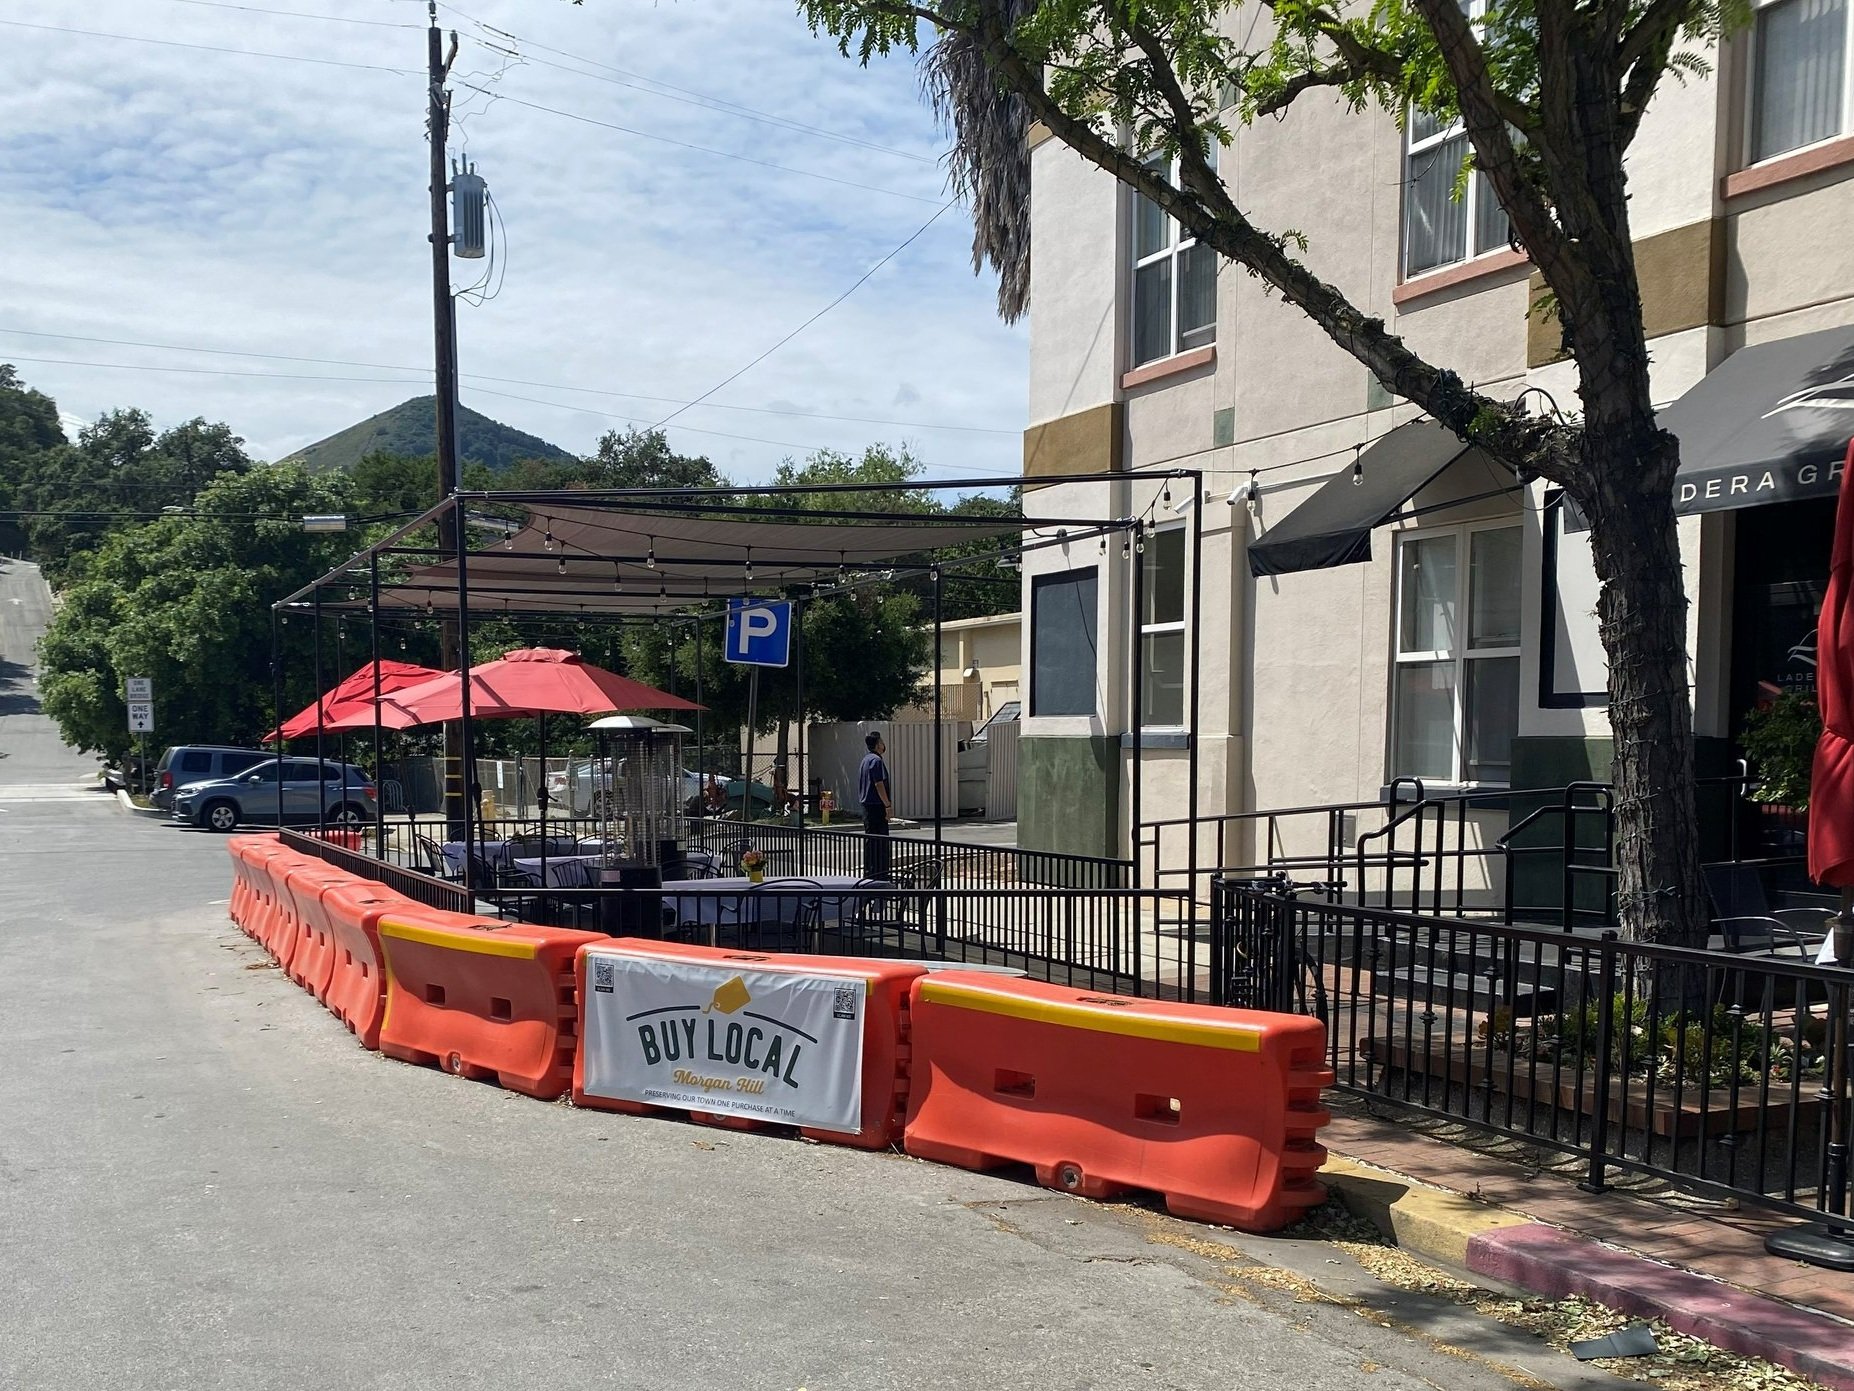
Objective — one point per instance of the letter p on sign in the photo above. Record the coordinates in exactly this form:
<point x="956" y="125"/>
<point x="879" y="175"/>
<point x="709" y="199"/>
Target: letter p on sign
<point x="759" y="633"/>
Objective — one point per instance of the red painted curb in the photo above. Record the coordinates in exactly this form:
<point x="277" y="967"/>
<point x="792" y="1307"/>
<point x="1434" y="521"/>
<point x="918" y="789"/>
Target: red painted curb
<point x="1554" y="1263"/>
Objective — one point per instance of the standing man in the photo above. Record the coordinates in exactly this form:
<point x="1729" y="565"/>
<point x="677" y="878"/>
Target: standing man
<point x="872" y="790"/>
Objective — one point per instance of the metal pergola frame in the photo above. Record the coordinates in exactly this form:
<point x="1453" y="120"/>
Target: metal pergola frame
<point x="682" y="607"/>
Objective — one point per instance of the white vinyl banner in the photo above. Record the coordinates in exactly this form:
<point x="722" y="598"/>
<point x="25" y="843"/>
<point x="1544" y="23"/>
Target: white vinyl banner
<point x="702" y="1036"/>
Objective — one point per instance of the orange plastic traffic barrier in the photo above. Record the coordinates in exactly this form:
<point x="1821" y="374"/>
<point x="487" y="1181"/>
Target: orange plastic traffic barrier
<point x="268" y="868"/>
<point x="238" y="907"/>
<point x="248" y="905"/>
<point x="356" y="993"/>
<point x="1215" y="1109"/>
<point x="309" y="957"/>
<point x="284" y="927"/>
<point x="819" y="1043"/>
<point x="480" y="998"/>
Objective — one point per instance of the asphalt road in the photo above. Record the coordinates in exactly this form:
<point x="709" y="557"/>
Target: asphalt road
<point x="205" y="1183"/>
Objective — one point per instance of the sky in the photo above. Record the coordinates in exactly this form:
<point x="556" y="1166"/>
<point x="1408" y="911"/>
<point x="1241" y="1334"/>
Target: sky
<point x="174" y="205"/>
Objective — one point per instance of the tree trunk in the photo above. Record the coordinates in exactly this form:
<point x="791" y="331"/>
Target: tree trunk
<point x="1642" y="610"/>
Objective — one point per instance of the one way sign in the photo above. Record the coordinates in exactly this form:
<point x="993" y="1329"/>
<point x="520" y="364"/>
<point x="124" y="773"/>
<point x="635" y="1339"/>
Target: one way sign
<point x="759" y="632"/>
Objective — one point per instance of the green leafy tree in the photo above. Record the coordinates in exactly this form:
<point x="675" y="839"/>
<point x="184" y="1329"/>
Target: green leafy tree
<point x="29" y="429"/>
<point x="1550" y="96"/>
<point x="118" y="473"/>
<point x="187" y="600"/>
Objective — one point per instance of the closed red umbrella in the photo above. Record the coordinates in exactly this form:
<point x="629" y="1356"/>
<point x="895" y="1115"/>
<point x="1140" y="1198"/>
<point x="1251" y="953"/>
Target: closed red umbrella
<point x="1831" y="792"/>
<point x="349" y="705"/>
<point x="533" y="681"/>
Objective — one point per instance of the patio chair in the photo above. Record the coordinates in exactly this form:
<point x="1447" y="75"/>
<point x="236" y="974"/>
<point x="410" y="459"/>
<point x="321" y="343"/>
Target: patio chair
<point x="571" y="890"/>
<point x="526" y="902"/>
<point x="782" y="917"/>
<point x="432" y="861"/>
<point x="1749" y="924"/>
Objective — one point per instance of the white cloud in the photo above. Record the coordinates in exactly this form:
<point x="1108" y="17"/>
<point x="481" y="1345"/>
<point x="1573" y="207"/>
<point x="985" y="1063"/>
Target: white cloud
<point x="169" y="195"/>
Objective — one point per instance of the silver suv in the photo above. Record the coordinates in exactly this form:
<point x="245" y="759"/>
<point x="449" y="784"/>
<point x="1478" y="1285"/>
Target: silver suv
<point x="342" y="795"/>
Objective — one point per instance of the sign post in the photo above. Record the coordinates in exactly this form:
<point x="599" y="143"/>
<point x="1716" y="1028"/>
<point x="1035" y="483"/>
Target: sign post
<point x="759" y="634"/>
<point x="138" y="695"/>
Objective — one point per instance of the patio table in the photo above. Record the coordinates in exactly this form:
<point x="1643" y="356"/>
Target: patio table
<point x="558" y="875"/>
<point x="725" y="902"/>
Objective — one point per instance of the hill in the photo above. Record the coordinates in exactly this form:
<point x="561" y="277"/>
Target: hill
<point x="410" y="428"/>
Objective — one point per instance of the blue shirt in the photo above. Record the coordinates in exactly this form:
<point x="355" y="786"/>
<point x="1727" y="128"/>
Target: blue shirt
<point x="872" y="771"/>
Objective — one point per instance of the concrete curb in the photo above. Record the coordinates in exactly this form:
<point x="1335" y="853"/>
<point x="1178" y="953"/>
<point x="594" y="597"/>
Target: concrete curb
<point x="132" y="809"/>
<point x="1545" y="1260"/>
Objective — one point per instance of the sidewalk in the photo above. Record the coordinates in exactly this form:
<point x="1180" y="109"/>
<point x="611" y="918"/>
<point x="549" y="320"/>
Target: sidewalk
<point x="1515" y="1213"/>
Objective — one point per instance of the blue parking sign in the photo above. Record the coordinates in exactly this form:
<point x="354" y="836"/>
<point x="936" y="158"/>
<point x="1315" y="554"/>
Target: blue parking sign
<point x="759" y="632"/>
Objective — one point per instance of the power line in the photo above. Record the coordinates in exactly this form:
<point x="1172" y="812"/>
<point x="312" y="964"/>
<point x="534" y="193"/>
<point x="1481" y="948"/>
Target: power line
<point x="699" y="149"/>
<point x="393" y="381"/>
<point x="468" y="376"/>
<point x="741" y="372"/>
<point x="210" y="48"/>
<point x="657" y="87"/>
<point x="299" y="14"/>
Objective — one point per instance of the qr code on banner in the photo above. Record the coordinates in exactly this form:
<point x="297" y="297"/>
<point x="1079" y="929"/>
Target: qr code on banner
<point x="845" y="1006"/>
<point x="604" y="976"/>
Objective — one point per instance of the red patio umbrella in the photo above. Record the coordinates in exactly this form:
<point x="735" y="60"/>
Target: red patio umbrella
<point x="533" y="681"/>
<point x="530" y="682"/>
<point x="350" y="697"/>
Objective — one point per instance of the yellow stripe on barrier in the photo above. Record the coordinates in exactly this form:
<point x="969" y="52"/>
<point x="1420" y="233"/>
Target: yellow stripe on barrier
<point x="1235" y="1037"/>
<point x="453" y="941"/>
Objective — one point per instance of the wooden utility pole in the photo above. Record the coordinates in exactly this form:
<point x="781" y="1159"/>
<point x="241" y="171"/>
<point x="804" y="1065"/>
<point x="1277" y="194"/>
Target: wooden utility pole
<point x="444" y="337"/>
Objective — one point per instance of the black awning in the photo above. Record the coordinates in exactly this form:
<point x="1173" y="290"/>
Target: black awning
<point x="1769" y="424"/>
<point x="1333" y="527"/>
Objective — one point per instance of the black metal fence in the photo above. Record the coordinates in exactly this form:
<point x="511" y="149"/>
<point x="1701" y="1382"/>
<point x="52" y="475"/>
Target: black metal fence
<point x="1722" y="1072"/>
<point x="1542" y="855"/>
<point x="427" y="889"/>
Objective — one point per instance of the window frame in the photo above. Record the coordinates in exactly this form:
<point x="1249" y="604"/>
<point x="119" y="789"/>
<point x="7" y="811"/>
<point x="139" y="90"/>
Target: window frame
<point x="1462" y="533"/>
<point x="1166" y="628"/>
<point x="1470" y="201"/>
<point x="1176" y="245"/>
<point x="1747" y="133"/>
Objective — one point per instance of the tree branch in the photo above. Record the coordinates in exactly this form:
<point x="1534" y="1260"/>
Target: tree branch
<point x="1361" y="62"/>
<point x="1509" y="434"/>
<point x="1495" y="154"/>
<point x="1644" y="53"/>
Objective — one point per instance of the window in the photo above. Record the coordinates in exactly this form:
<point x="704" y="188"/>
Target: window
<point x="1455" y="695"/>
<point x="1062" y="644"/>
<point x="196" y="761"/>
<point x="1799" y="75"/>
<point x="1162" y="630"/>
<point x="1174" y="280"/>
<point x="1438" y="227"/>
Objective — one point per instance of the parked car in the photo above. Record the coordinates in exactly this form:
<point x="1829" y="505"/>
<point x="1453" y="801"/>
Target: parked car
<point x="576" y="787"/>
<point x="185" y="763"/>
<point x="342" y="796"/>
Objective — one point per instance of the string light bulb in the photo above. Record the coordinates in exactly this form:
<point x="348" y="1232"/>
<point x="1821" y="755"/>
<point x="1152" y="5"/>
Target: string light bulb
<point x="749" y="570"/>
<point x="650" y="556"/>
<point x="547" y="538"/>
<point x="1358" y="465"/>
<point x="617" y="579"/>
<point x="562" y="566"/>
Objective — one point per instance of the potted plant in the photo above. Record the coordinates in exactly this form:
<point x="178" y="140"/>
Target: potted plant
<point x="1779" y="738"/>
<point x="754" y="862"/>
